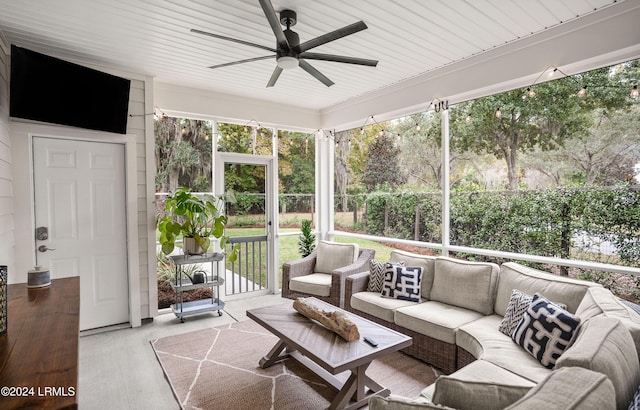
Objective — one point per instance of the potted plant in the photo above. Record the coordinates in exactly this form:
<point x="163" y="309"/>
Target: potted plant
<point x="196" y="218"/>
<point x="306" y="239"/>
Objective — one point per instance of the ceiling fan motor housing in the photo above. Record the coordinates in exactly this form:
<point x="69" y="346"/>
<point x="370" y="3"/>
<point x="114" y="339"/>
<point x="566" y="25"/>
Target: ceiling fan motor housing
<point x="288" y="18"/>
<point x="287" y="58"/>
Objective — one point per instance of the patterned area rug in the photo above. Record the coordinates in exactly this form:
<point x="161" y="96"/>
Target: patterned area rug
<point x="218" y="368"/>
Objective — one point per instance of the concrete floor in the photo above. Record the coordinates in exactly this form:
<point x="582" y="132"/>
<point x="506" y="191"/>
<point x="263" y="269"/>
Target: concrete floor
<point x="118" y="369"/>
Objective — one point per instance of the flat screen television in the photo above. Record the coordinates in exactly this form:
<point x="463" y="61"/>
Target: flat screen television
<point x="44" y="88"/>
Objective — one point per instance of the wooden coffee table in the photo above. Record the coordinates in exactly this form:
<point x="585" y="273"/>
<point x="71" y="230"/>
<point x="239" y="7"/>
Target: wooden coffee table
<point x="327" y="354"/>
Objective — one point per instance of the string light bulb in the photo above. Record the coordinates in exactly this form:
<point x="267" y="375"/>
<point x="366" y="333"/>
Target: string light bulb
<point x="498" y="113"/>
<point x="634" y="92"/>
<point x="468" y="119"/>
<point x="530" y="92"/>
<point x="417" y="127"/>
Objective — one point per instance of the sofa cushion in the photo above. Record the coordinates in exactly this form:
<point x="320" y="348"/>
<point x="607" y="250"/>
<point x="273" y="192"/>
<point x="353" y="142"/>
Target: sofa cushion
<point x="480" y="385"/>
<point x="546" y="331"/>
<point x="335" y="255"/>
<point x="600" y="301"/>
<point x="318" y="284"/>
<point x="553" y="287"/>
<point x="401" y="403"/>
<point x="402" y="282"/>
<point x="375" y="305"/>
<point x="604" y="345"/>
<point x="482" y="339"/>
<point x="376" y="275"/>
<point x="570" y="388"/>
<point x="434" y="319"/>
<point x="518" y="304"/>
<point x="413" y="259"/>
<point x="465" y="284"/>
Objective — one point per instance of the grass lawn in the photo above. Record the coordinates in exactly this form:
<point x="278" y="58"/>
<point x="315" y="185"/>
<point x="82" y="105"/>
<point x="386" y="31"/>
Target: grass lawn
<point x="289" y="244"/>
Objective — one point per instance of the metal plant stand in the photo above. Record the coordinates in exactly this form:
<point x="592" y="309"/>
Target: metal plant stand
<point x="181" y="308"/>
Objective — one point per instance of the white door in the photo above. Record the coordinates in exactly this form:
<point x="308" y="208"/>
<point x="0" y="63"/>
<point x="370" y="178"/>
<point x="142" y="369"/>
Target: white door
<point x="255" y="270"/>
<point x="79" y="197"/>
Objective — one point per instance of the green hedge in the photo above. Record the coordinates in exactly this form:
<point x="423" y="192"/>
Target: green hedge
<point x="561" y="222"/>
<point x="401" y="215"/>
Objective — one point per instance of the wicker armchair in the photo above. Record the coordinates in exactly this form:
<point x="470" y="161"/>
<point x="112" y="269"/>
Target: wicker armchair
<point x="311" y="280"/>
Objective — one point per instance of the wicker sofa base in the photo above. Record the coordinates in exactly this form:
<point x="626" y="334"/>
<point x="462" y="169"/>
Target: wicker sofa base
<point x="463" y="357"/>
<point x="432" y="351"/>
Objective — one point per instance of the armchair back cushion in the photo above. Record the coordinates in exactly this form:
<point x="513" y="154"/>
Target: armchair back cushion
<point x="426" y="262"/>
<point x="470" y="285"/>
<point x="335" y="255"/>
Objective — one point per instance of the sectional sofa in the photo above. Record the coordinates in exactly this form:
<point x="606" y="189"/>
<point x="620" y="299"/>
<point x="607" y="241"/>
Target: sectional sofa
<point x="464" y="323"/>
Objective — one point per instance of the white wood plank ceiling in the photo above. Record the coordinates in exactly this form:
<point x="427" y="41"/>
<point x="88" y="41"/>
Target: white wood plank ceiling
<point x="152" y="37"/>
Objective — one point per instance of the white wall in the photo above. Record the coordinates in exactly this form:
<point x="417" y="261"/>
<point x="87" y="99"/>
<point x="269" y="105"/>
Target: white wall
<point x="139" y="127"/>
<point x="188" y="102"/>
<point x="7" y="243"/>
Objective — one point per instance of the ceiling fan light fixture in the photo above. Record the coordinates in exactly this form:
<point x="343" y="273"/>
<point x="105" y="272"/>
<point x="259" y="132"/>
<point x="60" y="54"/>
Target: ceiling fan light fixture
<point x="287" y="62"/>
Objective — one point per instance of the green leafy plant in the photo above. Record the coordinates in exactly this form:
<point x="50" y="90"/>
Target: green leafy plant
<point x="306" y="240"/>
<point x="193" y="216"/>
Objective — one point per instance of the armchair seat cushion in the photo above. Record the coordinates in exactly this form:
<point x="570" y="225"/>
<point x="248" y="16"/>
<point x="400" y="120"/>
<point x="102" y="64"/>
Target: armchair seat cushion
<point x="318" y="284"/>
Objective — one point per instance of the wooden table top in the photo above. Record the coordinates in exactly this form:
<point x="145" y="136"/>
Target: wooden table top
<point x="39" y="352"/>
<point x="322" y="345"/>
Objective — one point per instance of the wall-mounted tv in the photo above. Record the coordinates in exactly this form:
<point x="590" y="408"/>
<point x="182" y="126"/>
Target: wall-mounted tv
<point x="48" y="89"/>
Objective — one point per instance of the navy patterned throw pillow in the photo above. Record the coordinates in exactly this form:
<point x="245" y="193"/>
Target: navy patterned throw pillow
<point x="402" y="283"/>
<point x="546" y="331"/>
<point x="518" y="304"/>
<point x="376" y="274"/>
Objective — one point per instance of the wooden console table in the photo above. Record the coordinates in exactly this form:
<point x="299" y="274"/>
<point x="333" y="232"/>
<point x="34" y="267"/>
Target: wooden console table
<point x="39" y="352"/>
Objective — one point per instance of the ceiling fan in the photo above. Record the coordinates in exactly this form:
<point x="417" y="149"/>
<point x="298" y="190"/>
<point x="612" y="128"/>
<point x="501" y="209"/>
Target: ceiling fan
<point x="289" y="52"/>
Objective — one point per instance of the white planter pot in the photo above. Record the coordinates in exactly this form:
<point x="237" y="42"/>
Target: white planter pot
<point x="191" y="247"/>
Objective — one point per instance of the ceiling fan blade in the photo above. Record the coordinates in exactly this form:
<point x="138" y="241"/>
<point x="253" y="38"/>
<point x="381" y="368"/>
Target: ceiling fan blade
<point x="274" y="22"/>
<point x="235" y="40"/>
<point x="334" y="35"/>
<point x="339" y="59"/>
<point x="248" y="60"/>
<point x="317" y="74"/>
<point x="274" y="76"/>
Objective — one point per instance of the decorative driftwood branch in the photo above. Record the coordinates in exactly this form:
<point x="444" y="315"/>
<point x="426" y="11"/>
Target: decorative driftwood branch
<point x="338" y="322"/>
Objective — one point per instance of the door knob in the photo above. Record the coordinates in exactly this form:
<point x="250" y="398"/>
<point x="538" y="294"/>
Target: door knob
<point x="44" y="248"/>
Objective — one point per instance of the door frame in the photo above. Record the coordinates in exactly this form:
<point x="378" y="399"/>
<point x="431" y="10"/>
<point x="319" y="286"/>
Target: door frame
<point x="271" y="203"/>
<point x="131" y="207"/>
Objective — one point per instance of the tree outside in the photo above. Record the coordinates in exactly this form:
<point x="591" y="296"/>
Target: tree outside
<point x="551" y="175"/>
<point x="183" y="154"/>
